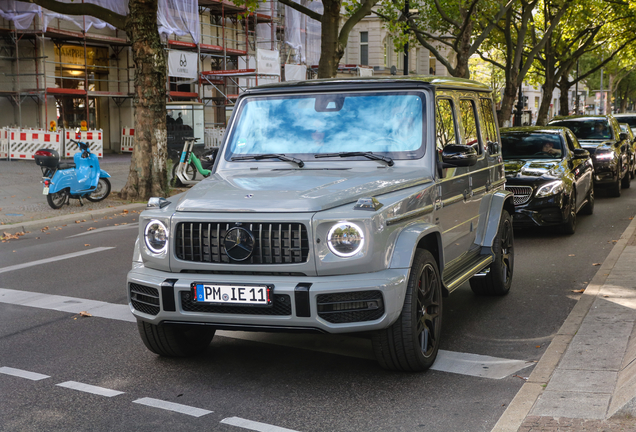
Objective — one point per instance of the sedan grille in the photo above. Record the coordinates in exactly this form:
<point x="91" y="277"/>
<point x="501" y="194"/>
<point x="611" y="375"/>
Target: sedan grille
<point x="522" y="194"/>
<point x="274" y="243"/>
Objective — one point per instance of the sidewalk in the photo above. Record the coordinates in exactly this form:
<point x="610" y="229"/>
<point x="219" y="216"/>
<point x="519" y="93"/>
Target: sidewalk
<point x="586" y="379"/>
<point x="23" y="207"/>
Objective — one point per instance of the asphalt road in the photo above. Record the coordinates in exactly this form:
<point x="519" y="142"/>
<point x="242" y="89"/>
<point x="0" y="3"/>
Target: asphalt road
<point x="259" y="381"/>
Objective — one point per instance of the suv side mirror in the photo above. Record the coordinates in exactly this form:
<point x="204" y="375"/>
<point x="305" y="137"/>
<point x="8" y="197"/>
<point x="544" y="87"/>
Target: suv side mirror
<point x="458" y="155"/>
<point x="493" y="147"/>
<point x="580" y="153"/>
<point x="623" y="136"/>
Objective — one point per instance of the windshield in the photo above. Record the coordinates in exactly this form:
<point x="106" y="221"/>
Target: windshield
<point x="590" y="129"/>
<point x="390" y="123"/>
<point x="526" y="145"/>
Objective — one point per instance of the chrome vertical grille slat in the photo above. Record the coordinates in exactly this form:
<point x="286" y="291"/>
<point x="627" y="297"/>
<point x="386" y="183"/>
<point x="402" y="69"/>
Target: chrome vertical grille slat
<point x="274" y="243"/>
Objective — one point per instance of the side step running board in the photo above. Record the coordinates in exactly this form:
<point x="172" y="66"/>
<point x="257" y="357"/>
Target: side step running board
<point x="455" y="279"/>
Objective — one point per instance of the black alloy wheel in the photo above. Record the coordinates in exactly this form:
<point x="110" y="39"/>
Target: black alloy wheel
<point x="57" y="199"/>
<point x="412" y="342"/>
<point x="569" y="227"/>
<point x="101" y="191"/>
<point x="615" y="189"/>
<point x="498" y="279"/>
<point x="627" y="180"/>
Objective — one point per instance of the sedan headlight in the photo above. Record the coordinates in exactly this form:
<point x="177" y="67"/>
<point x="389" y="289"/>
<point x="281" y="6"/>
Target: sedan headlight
<point x="551" y="188"/>
<point x="604" y="155"/>
<point x="156" y="236"/>
<point x="345" y="239"/>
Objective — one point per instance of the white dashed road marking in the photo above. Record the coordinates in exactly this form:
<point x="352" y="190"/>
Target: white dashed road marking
<point x="171" y="406"/>
<point x="22" y="373"/>
<point x="111" y="228"/>
<point x="101" y="391"/>
<point x="252" y="425"/>
<point x="53" y="259"/>
<point x="447" y="361"/>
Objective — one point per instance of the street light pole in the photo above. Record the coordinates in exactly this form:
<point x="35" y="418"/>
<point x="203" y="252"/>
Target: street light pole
<point x="576" y="90"/>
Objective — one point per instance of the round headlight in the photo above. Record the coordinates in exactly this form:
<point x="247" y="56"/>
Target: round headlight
<point x="345" y="239"/>
<point x="156" y="235"/>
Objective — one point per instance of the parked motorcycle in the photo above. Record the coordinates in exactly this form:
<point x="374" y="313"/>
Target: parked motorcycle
<point x="63" y="181"/>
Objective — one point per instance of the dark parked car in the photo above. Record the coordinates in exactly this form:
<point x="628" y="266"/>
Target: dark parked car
<point x="632" y="146"/>
<point x="602" y="137"/>
<point x="629" y="118"/>
<point x="549" y="174"/>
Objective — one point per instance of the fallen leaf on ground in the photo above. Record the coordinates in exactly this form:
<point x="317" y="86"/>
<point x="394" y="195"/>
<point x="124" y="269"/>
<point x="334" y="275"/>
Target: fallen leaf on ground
<point x="579" y="291"/>
<point x="9" y="236"/>
<point x="85" y="314"/>
<point x="90" y="229"/>
<point x="78" y="221"/>
<point x="571" y="255"/>
<point x="44" y="229"/>
<point x="538" y="346"/>
<point x="116" y="224"/>
<point x="519" y="376"/>
<point x="596" y="264"/>
<point x="86" y="244"/>
<point x="125" y="211"/>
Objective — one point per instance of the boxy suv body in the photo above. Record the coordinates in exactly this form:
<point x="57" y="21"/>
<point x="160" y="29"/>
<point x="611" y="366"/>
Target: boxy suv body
<point x="334" y="206"/>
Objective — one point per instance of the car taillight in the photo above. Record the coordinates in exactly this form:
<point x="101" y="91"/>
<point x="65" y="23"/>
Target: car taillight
<point x="44" y="153"/>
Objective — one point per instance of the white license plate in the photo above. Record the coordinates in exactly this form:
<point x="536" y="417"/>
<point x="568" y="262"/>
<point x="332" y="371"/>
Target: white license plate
<point x="45" y="191"/>
<point x="256" y="295"/>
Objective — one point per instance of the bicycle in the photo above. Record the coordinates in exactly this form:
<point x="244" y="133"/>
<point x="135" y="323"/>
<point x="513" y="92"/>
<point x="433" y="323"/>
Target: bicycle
<point x="185" y="171"/>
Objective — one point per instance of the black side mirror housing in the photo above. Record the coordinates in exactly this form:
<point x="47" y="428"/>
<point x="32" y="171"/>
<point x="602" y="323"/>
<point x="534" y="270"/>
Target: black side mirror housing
<point x="458" y="155"/>
<point x="623" y="136"/>
<point x="580" y="153"/>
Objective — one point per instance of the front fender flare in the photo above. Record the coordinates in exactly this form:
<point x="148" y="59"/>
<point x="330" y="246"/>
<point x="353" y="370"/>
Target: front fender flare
<point x="501" y="200"/>
<point x="408" y="241"/>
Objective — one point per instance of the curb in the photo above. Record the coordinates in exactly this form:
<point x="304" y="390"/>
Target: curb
<point x="518" y="410"/>
<point x="65" y="219"/>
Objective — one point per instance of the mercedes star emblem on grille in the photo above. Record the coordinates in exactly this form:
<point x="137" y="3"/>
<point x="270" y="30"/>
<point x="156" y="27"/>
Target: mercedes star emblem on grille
<point x="239" y="244"/>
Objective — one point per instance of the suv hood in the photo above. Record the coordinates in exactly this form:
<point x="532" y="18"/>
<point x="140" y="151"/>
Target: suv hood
<point x="534" y="168"/>
<point x="304" y="190"/>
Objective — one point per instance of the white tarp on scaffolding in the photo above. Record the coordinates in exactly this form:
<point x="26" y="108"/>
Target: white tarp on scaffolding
<point x="180" y="17"/>
<point x="182" y="64"/>
<point x="295" y="72"/>
<point x="303" y="33"/>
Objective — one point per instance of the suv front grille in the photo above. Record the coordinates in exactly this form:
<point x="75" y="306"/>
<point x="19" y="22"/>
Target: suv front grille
<point x="349" y="307"/>
<point x="522" y="194"/>
<point x="280" y="306"/>
<point x="144" y="299"/>
<point x="274" y="243"/>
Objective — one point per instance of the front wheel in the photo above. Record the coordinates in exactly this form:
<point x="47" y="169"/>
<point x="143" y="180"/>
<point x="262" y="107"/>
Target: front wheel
<point x="57" y="199"/>
<point x="175" y="340"/>
<point x="615" y="189"/>
<point x="412" y="342"/>
<point x="569" y="227"/>
<point x="101" y="191"/>
<point x="499" y="277"/>
<point x="627" y="180"/>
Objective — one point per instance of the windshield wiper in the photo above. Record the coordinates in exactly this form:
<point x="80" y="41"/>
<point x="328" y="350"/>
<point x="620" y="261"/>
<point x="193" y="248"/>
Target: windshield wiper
<point x="368" y="155"/>
<point x="282" y="157"/>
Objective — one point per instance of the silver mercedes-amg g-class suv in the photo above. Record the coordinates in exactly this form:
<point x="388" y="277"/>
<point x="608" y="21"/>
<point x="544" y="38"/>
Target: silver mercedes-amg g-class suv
<point x="334" y="206"/>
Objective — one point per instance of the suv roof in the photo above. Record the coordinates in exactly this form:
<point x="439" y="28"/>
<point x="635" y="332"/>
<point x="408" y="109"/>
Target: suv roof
<point x="367" y="83"/>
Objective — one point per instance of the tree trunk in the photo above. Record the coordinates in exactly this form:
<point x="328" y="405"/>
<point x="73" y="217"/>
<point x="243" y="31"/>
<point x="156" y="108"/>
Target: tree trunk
<point x="147" y="175"/>
<point x="509" y="96"/>
<point x="564" y="98"/>
<point x="330" y="50"/>
<point x="547" y="90"/>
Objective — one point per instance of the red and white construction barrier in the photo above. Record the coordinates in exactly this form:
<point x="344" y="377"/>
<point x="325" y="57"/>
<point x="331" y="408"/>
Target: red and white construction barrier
<point x="94" y="139"/>
<point x="22" y="144"/>
<point x="127" y="139"/>
<point x="213" y="137"/>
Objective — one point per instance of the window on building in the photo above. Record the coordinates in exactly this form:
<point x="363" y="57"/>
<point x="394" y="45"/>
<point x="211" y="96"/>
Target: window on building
<point x="469" y="123"/>
<point x="432" y="63"/>
<point x="364" y="48"/>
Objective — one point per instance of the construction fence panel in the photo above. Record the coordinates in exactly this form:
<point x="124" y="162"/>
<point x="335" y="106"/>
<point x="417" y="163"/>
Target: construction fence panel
<point x="21" y="144"/>
<point x="127" y="139"/>
<point x="213" y="137"/>
<point x="94" y="139"/>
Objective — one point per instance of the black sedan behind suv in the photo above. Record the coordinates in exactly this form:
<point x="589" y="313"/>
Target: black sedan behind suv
<point x="602" y="137"/>
<point x="549" y="174"/>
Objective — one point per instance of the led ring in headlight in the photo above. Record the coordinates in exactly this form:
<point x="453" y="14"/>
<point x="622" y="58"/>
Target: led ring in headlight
<point x="345" y="239"/>
<point x="156" y="236"/>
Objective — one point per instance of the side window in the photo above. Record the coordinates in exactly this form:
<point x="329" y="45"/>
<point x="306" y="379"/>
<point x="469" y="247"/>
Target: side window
<point x="445" y="124"/>
<point x="489" y="124"/>
<point x="572" y="143"/>
<point x="469" y="122"/>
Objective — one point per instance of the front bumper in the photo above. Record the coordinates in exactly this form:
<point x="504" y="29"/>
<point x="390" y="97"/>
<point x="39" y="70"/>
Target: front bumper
<point x="547" y="211"/>
<point x="156" y="296"/>
<point x="605" y="173"/>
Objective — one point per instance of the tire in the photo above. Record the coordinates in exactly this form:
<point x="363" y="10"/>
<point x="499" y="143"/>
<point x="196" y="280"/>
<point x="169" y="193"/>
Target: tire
<point x="191" y="174"/>
<point x="588" y="208"/>
<point x="498" y="280"/>
<point x="101" y="191"/>
<point x="627" y="180"/>
<point x="615" y="189"/>
<point x="569" y="227"/>
<point x="412" y="342"/>
<point x="175" y="340"/>
<point x="57" y="199"/>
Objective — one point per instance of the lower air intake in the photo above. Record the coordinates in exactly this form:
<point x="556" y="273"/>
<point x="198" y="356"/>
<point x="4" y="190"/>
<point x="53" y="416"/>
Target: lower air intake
<point x="349" y="307"/>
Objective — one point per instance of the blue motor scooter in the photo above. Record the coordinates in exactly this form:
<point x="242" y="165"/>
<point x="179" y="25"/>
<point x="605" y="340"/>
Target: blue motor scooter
<point x="63" y="181"/>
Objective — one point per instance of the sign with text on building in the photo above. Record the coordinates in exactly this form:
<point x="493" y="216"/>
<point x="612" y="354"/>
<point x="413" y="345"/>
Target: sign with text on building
<point x="267" y="62"/>
<point x="182" y="64"/>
